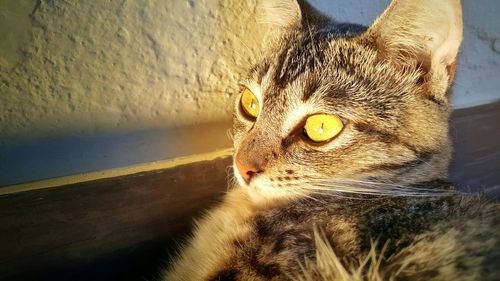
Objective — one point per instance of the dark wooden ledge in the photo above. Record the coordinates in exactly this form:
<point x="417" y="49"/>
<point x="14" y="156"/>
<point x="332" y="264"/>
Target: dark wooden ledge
<point x="109" y="229"/>
<point x="476" y="140"/>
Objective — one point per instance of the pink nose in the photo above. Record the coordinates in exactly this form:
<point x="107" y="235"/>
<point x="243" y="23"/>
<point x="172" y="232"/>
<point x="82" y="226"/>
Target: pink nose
<point x="246" y="172"/>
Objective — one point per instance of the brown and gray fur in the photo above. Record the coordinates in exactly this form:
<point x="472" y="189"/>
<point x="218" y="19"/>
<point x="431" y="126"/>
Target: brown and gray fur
<point x="371" y="204"/>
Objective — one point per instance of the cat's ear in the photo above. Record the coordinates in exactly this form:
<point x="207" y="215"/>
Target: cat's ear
<point x="290" y="14"/>
<point x="425" y="32"/>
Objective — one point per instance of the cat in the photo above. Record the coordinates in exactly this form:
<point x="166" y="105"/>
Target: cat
<point x="341" y="154"/>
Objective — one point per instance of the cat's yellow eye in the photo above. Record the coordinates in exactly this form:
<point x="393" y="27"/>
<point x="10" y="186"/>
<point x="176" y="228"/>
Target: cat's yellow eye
<point x="323" y="127"/>
<point x="249" y="103"/>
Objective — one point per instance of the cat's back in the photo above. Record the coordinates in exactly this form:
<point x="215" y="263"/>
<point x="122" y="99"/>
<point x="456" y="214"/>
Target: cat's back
<point x="417" y="238"/>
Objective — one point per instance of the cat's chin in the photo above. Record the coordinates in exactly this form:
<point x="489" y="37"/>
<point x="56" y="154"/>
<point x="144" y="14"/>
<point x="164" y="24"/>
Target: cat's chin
<point x="260" y="191"/>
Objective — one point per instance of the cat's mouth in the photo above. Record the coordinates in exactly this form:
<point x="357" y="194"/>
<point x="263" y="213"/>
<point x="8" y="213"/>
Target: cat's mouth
<point x="262" y="188"/>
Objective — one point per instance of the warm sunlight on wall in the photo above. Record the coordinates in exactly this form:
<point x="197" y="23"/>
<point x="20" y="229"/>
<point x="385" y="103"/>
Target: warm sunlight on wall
<point x="87" y="67"/>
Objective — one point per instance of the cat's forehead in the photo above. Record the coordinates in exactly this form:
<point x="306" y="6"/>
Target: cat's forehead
<point x="322" y="60"/>
<point x="308" y="51"/>
<point x="296" y="55"/>
<point x="308" y="67"/>
<point x="308" y="74"/>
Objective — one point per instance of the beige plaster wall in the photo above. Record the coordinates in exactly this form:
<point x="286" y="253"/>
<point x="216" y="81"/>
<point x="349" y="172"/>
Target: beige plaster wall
<point x="70" y="68"/>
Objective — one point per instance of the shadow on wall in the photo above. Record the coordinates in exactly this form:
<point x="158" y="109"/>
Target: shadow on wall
<point x="56" y="158"/>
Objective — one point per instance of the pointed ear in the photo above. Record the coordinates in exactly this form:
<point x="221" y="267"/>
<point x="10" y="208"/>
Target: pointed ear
<point x="423" y="32"/>
<point x="289" y="14"/>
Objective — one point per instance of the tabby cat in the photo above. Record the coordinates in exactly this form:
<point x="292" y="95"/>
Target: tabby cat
<point x="341" y="154"/>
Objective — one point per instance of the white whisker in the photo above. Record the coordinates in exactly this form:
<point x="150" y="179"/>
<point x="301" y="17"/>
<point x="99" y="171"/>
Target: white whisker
<point x="363" y="187"/>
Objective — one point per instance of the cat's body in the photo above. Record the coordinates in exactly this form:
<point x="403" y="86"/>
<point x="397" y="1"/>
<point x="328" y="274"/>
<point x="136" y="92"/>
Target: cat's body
<point x="437" y="238"/>
<point x="369" y="202"/>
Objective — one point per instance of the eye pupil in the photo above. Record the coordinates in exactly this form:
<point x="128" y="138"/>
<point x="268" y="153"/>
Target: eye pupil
<point x="249" y="104"/>
<point x="323" y="127"/>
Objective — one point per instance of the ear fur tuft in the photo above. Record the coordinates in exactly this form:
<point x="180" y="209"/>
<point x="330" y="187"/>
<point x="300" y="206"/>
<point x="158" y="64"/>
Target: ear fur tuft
<point x="290" y="13"/>
<point x="425" y="32"/>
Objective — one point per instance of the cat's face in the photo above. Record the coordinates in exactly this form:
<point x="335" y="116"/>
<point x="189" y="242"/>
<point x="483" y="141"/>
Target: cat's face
<point x="321" y="112"/>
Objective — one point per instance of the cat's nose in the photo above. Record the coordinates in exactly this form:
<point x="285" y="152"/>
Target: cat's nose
<point x="247" y="172"/>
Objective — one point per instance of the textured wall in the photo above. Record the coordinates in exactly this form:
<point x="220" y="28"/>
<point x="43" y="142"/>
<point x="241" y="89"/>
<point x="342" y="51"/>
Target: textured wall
<point x="89" y="67"/>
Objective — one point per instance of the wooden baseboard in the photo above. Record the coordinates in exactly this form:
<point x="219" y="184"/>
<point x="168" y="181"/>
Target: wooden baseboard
<point x="116" y="228"/>
<point x="476" y="142"/>
<point x="118" y="172"/>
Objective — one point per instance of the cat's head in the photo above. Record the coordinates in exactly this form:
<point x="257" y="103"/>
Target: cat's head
<point x="341" y="107"/>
